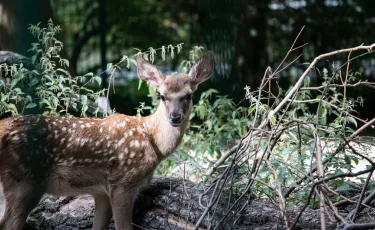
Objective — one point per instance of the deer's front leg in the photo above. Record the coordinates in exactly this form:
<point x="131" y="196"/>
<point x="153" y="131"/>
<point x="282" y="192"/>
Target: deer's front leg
<point x="103" y="212"/>
<point x="122" y="200"/>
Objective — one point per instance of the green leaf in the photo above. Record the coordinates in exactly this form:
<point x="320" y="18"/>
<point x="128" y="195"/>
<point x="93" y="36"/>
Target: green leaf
<point x="33" y="82"/>
<point x="139" y="84"/>
<point x="352" y="120"/>
<point x="14" y="82"/>
<point x="83" y="99"/>
<point x="66" y="62"/>
<point x="31" y="105"/>
<point x="89" y="74"/>
<point x="98" y="80"/>
<point x="18" y="90"/>
<point x="33" y="59"/>
<point x="48" y="77"/>
<point x="29" y="98"/>
<point x="307" y="81"/>
<point x="343" y="187"/>
<point x="109" y="66"/>
<point x="62" y="71"/>
<point x="133" y="61"/>
<point x="44" y="101"/>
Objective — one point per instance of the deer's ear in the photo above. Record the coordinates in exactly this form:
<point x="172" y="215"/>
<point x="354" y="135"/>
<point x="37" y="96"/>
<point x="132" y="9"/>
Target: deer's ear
<point x="202" y="70"/>
<point x="149" y="73"/>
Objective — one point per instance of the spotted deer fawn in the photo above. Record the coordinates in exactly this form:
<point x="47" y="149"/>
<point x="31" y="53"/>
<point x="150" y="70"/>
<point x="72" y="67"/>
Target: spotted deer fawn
<point x="110" y="159"/>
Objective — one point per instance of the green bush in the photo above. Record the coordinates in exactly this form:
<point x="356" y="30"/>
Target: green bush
<point x="49" y="88"/>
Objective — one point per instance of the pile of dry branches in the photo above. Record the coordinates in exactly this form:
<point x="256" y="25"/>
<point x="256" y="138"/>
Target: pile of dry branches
<point x="320" y="147"/>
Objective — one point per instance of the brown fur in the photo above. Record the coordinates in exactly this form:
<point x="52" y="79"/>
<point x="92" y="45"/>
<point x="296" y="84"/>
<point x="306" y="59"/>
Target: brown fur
<point x="110" y="158"/>
<point x="177" y="82"/>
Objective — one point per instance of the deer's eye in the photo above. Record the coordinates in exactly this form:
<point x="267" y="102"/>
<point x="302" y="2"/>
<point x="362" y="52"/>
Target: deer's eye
<point x="188" y="96"/>
<point x="162" y="97"/>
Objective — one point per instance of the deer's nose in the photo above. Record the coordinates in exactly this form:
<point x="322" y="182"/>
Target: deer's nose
<point x="175" y="117"/>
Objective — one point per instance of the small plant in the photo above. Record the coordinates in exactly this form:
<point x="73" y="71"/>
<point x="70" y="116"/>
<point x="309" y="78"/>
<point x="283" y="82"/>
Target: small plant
<point x="49" y="88"/>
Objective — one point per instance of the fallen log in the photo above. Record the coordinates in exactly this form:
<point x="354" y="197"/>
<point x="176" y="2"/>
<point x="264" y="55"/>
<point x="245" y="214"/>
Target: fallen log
<point x="167" y="203"/>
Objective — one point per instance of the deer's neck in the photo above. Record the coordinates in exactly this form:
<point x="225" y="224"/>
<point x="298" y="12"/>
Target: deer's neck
<point x="164" y="135"/>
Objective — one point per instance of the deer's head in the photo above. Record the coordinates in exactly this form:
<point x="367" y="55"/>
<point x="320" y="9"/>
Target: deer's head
<point x="176" y="90"/>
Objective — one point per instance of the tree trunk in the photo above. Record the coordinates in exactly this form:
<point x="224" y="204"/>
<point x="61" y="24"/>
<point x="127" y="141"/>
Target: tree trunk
<point x="15" y="18"/>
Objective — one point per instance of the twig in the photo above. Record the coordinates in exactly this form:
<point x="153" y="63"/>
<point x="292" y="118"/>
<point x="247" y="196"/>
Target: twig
<point x="288" y="96"/>
<point x="353" y="214"/>
<point x="278" y="189"/>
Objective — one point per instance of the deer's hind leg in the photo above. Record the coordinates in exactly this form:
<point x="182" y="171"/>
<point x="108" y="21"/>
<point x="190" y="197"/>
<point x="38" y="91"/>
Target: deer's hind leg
<point x="17" y="199"/>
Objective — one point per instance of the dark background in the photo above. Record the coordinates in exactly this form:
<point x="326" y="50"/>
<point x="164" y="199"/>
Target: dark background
<point x="245" y="36"/>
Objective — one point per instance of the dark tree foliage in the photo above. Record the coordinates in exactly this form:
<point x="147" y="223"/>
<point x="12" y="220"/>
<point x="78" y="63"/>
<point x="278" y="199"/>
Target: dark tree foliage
<point x="245" y="36"/>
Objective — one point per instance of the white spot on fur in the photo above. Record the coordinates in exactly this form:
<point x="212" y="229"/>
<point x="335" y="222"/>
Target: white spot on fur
<point x="16" y="138"/>
<point x="83" y="141"/>
<point x="134" y="143"/>
<point x="74" y="125"/>
<point x="80" y="122"/>
<point x="63" y="129"/>
<point x="88" y="125"/>
<point x="132" y="154"/>
<point x="129" y="161"/>
<point x="101" y="129"/>
<point x="82" y="126"/>
<point x="121" y="141"/>
<point x="140" y="130"/>
<point x="13" y="133"/>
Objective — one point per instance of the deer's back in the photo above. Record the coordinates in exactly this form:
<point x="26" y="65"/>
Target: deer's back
<point x="74" y="155"/>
